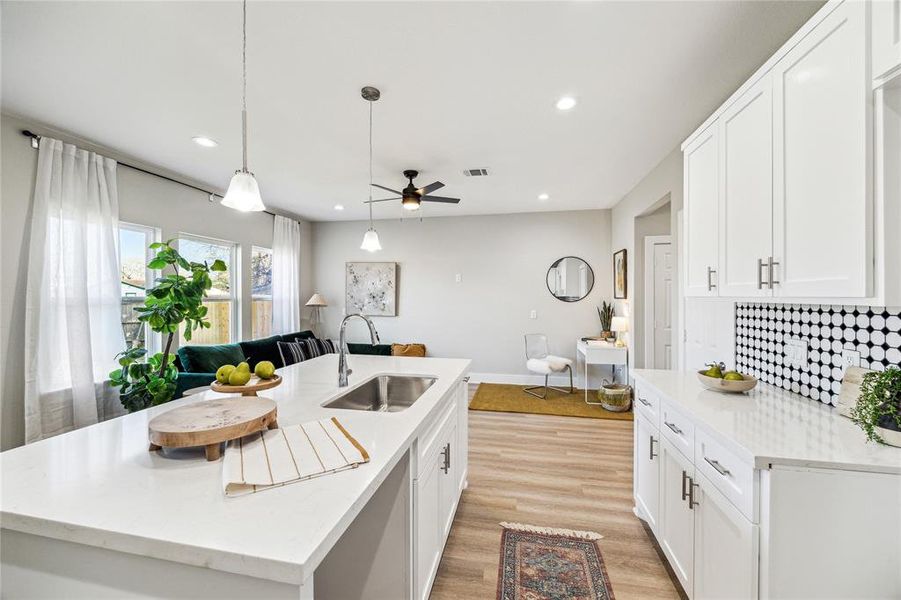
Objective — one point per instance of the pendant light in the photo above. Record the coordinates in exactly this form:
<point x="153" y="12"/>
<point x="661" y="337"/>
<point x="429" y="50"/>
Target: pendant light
<point x="243" y="191"/>
<point x="371" y="237"/>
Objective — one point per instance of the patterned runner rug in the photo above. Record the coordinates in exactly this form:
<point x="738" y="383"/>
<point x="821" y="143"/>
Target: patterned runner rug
<point x="540" y="563"/>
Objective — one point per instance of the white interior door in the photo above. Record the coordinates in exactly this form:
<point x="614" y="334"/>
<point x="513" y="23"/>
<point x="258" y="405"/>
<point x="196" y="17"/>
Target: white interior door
<point x="659" y="276"/>
<point x="822" y="197"/>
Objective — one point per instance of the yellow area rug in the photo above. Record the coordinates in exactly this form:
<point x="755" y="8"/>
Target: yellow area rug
<point x="499" y="397"/>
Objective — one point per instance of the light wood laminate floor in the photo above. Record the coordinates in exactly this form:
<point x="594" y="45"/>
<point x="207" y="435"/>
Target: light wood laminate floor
<point x="550" y="471"/>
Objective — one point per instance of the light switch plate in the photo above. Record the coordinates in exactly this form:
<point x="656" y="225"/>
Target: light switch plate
<point x="458" y="278"/>
<point x="796" y="353"/>
<point x="850" y="358"/>
<point x="533" y="314"/>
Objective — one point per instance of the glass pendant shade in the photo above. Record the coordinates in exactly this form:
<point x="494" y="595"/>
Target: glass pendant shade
<point x="371" y="241"/>
<point x="243" y="193"/>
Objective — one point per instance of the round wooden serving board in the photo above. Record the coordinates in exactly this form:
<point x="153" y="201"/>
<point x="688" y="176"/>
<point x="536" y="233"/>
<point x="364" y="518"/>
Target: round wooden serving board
<point x="250" y="388"/>
<point x="208" y="423"/>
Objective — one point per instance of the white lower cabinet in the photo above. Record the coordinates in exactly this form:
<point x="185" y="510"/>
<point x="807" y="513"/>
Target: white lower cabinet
<point x="441" y="478"/>
<point x="676" y="529"/>
<point x="647" y="471"/>
<point x="722" y="532"/>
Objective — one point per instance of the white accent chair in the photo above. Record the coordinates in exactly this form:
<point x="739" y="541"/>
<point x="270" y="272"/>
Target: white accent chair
<point x="539" y="361"/>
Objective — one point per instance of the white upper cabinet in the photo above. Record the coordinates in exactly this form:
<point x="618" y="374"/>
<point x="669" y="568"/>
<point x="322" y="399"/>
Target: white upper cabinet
<point x="822" y="209"/>
<point x="886" y="21"/>
<point x="746" y="193"/>
<point x="701" y="214"/>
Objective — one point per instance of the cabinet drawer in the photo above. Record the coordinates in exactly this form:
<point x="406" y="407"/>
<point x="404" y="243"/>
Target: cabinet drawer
<point x="432" y="441"/>
<point x="648" y="404"/>
<point x="732" y="476"/>
<point x="678" y="429"/>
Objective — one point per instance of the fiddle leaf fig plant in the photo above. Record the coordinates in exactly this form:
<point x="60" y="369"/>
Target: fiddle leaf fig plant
<point x="176" y="298"/>
<point x="879" y="403"/>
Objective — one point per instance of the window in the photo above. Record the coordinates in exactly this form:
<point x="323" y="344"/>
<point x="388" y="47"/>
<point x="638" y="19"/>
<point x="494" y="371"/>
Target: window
<point x="222" y="298"/>
<point x="134" y="252"/>
<point x="261" y="292"/>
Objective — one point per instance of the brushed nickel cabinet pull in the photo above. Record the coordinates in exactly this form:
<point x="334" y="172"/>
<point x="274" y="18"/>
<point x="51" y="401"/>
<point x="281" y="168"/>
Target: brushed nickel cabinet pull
<point x="643" y="401"/>
<point x="651" y="448"/>
<point x="684" y="479"/>
<point x="673" y="427"/>
<point x="760" y="281"/>
<point x="719" y="468"/>
<point x="691" y="493"/>
<point x="710" y="284"/>
<point x="446" y="452"/>
<point x="772" y="273"/>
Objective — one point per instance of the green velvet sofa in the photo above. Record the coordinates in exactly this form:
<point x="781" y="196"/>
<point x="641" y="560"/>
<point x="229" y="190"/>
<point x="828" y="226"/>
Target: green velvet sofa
<point x="197" y="364"/>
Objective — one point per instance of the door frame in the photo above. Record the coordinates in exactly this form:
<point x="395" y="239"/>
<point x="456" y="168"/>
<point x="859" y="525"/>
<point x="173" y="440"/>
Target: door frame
<point x="649" y="242"/>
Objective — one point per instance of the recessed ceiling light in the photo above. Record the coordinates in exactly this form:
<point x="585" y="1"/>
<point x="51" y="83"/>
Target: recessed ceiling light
<point x="339" y="207"/>
<point x="205" y="141"/>
<point x="543" y="197"/>
<point x="566" y="103"/>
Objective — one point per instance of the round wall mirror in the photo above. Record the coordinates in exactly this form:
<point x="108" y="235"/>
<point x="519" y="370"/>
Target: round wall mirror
<point x="570" y="279"/>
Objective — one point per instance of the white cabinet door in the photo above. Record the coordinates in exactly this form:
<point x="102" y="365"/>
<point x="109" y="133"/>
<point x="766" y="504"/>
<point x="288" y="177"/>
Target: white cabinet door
<point x="448" y="484"/>
<point x="647" y="471"/>
<point x="429" y="538"/>
<point x="676" y="531"/>
<point x="886" y="29"/>
<point x="822" y="196"/>
<point x="746" y="193"/>
<point x="700" y="214"/>
<point x="726" y="545"/>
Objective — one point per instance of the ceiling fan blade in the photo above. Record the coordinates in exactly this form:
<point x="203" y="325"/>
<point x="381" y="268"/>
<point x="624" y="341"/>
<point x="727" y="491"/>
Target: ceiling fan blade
<point x="381" y="200"/>
<point x="430" y="188"/>
<point x="381" y="187"/>
<point x="440" y="199"/>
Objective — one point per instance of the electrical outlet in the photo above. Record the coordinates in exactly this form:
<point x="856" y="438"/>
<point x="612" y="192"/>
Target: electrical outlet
<point x="533" y="314"/>
<point x="850" y="358"/>
<point x="458" y="278"/>
<point x="796" y="353"/>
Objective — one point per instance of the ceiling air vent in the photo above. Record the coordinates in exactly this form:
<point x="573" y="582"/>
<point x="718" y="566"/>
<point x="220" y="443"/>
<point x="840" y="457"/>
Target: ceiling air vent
<point x="475" y="172"/>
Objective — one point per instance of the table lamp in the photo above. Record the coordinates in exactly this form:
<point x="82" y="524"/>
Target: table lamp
<point x="316" y="302"/>
<point x="619" y="325"/>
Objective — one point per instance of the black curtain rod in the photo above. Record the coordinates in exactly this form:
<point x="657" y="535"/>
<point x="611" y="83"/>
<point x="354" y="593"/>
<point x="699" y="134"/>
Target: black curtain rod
<point x="36" y="138"/>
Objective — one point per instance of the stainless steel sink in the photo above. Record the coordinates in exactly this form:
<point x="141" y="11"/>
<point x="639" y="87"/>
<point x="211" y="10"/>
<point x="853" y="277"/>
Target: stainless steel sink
<point x="384" y="393"/>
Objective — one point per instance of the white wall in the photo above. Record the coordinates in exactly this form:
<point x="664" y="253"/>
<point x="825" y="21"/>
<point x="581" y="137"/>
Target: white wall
<point x="502" y="260"/>
<point x="143" y="199"/>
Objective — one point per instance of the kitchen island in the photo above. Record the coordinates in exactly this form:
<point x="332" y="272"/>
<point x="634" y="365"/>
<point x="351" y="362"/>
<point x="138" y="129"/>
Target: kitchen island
<point x="93" y="513"/>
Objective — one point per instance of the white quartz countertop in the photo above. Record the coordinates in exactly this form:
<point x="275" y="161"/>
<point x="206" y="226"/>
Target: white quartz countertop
<point x="772" y="426"/>
<point x="102" y="487"/>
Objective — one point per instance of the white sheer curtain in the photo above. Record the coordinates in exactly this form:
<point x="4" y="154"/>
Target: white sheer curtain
<point x="73" y="298"/>
<point x="285" y="275"/>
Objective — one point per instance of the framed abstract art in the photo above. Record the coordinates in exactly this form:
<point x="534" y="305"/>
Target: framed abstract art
<point x="620" y="275"/>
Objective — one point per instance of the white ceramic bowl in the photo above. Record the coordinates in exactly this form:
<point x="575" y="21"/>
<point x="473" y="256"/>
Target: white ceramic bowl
<point x="723" y="385"/>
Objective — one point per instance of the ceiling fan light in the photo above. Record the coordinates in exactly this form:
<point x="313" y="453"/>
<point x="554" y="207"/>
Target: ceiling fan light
<point x="410" y="202"/>
<point x="371" y="241"/>
<point x="243" y="193"/>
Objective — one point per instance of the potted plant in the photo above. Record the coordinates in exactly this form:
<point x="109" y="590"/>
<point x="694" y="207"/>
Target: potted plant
<point x="176" y="298"/>
<point x="878" y="408"/>
<point x="605" y="314"/>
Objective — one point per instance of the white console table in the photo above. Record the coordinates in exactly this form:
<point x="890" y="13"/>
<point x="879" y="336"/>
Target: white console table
<point x="601" y="353"/>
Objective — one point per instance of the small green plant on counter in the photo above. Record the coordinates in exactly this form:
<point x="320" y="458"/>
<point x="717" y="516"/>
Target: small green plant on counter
<point x="605" y="314"/>
<point x="175" y="299"/>
<point x="879" y="403"/>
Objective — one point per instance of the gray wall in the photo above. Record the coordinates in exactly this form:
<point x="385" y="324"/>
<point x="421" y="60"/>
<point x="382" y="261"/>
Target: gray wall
<point x="502" y="261"/>
<point x="143" y="199"/>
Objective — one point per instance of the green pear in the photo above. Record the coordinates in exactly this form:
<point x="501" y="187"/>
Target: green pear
<point x="239" y="377"/>
<point x="264" y="369"/>
<point x="223" y="372"/>
<point x="243" y="366"/>
<point x="733" y="376"/>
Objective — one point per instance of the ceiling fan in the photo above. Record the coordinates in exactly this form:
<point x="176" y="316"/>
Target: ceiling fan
<point x="411" y="196"/>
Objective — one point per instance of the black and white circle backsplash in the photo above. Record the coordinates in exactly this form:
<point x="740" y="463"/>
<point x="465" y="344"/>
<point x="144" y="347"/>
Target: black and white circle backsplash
<point x="761" y="331"/>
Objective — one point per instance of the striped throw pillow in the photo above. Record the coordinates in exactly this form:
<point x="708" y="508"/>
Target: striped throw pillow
<point x="314" y="347"/>
<point x="291" y="352"/>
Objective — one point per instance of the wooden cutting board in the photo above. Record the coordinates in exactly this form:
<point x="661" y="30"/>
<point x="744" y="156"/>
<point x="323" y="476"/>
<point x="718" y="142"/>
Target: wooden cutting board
<point x="208" y="423"/>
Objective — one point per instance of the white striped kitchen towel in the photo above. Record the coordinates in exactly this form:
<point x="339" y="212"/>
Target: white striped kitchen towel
<point x="277" y="457"/>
